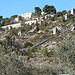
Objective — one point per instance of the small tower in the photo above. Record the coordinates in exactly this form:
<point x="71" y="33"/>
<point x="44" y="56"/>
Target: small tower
<point x="73" y="11"/>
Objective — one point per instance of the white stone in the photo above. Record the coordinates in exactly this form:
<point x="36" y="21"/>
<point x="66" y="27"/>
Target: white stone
<point x="73" y="27"/>
<point x="55" y="30"/>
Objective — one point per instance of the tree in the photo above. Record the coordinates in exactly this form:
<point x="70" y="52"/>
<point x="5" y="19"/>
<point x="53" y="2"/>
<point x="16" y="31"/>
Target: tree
<point x="1" y="17"/>
<point x="53" y="10"/>
<point x="66" y="53"/>
<point x="20" y="18"/>
<point x="69" y="11"/>
<point x="59" y="14"/>
<point x="71" y="16"/>
<point x="14" y="16"/>
<point x="7" y="21"/>
<point x="49" y="9"/>
<point x="64" y="12"/>
<point x="38" y="11"/>
<point x="3" y="23"/>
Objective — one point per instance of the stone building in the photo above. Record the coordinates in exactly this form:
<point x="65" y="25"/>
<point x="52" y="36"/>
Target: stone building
<point x="28" y="16"/>
<point x="73" y="11"/>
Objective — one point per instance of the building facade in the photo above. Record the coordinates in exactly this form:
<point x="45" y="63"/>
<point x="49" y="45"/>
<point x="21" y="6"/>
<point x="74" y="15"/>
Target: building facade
<point x="28" y="15"/>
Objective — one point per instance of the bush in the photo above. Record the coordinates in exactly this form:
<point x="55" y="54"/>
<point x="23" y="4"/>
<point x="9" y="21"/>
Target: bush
<point x="22" y="29"/>
<point x="28" y="27"/>
<point x="13" y="32"/>
<point x="59" y="14"/>
<point x="52" y="19"/>
<point x="63" y="19"/>
<point x="66" y="52"/>
<point x="45" y="52"/>
<point x="26" y="44"/>
<point x="51" y="54"/>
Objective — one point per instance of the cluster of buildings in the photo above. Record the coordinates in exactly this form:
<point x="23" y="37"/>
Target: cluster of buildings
<point x="56" y="29"/>
<point x="28" y="18"/>
<point x="72" y="12"/>
<point x="32" y="18"/>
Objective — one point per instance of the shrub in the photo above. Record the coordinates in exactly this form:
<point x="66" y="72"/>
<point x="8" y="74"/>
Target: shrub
<point x="66" y="52"/>
<point x="26" y="44"/>
<point x="45" y="52"/>
<point x="51" y="53"/>
<point x="13" y="32"/>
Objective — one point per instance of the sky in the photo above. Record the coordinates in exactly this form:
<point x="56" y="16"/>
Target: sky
<point x="17" y="7"/>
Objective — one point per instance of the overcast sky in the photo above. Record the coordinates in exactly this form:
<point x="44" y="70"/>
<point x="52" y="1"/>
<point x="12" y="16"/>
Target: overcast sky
<point x="16" y="7"/>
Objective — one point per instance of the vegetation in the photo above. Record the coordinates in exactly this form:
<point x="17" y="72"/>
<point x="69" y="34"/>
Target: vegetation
<point x="14" y="16"/>
<point x="66" y="53"/>
<point x="28" y="44"/>
<point x="20" y="18"/>
<point x="49" y="9"/>
<point x="63" y="19"/>
<point x="37" y="51"/>
<point x="64" y="12"/>
<point x="13" y="31"/>
<point x="1" y="18"/>
<point x="45" y="52"/>
<point x="49" y="54"/>
<point x="38" y="11"/>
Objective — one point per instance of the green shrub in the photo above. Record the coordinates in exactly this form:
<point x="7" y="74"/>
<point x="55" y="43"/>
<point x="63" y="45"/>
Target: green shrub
<point x="51" y="53"/>
<point x="13" y="32"/>
<point x="45" y="52"/>
<point x="26" y="44"/>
